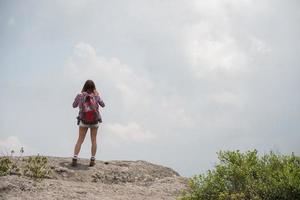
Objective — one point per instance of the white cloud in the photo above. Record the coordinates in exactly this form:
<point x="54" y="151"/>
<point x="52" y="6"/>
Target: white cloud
<point x="84" y="50"/>
<point x="130" y="132"/>
<point x="128" y="89"/>
<point x="210" y="55"/>
<point x="260" y="46"/>
<point x="130" y="86"/>
<point x="210" y="45"/>
<point x="173" y="110"/>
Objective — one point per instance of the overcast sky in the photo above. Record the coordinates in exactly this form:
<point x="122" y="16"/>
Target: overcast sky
<point x="181" y="80"/>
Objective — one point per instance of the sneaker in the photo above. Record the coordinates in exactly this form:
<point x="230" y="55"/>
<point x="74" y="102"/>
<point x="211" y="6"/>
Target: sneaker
<point x="74" y="162"/>
<point x="92" y="162"/>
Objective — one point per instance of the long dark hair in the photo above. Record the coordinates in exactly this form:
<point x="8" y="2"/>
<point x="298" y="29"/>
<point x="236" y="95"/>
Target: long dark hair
<point x="89" y="86"/>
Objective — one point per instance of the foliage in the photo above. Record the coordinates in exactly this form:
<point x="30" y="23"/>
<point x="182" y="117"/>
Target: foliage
<point x="5" y="165"/>
<point x="246" y="176"/>
<point x="37" y="167"/>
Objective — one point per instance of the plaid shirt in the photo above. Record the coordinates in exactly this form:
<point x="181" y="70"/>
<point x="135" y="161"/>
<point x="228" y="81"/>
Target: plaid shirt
<point x="78" y="103"/>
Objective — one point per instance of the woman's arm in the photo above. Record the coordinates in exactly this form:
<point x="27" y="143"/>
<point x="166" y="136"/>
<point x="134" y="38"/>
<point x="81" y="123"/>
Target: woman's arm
<point x="100" y="101"/>
<point x="76" y="101"/>
<point x="98" y="98"/>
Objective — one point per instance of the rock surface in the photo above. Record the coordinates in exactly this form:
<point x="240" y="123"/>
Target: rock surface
<point x="134" y="180"/>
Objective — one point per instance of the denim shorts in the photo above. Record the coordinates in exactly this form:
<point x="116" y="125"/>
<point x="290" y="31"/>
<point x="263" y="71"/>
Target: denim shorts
<point x="81" y="124"/>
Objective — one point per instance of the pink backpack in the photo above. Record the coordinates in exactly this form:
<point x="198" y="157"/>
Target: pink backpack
<point x="89" y="109"/>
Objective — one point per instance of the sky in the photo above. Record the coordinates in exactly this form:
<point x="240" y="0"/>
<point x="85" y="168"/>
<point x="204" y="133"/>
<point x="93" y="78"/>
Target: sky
<point x="181" y="80"/>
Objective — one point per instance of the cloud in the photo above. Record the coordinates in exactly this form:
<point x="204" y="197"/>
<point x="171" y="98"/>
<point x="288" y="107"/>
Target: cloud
<point x="130" y="86"/>
<point x="260" y="46"/>
<point x="132" y="94"/>
<point x="130" y="132"/>
<point x="211" y="43"/>
<point x="208" y="55"/>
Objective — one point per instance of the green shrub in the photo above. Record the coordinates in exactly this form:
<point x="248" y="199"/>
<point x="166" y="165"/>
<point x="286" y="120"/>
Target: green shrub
<point x="246" y="176"/>
<point x="5" y="165"/>
<point x="37" y="167"/>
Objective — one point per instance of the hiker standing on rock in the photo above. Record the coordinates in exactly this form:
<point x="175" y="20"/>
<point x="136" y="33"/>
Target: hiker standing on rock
<point x="89" y="116"/>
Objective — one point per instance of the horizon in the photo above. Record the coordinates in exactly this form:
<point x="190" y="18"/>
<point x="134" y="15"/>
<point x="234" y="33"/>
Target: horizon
<point x="181" y="80"/>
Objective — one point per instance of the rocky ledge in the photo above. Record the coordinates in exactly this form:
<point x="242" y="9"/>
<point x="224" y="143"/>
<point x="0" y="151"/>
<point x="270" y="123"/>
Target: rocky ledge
<point x="134" y="180"/>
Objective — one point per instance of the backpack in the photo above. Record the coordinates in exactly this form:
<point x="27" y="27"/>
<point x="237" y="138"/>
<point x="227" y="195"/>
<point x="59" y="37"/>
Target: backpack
<point x="89" y="109"/>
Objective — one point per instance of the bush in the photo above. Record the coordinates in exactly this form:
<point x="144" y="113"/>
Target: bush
<point x="5" y="165"/>
<point x="37" y="167"/>
<point x="246" y="176"/>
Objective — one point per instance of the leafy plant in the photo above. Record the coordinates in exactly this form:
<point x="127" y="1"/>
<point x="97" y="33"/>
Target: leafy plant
<point x="5" y="165"/>
<point x="37" y="167"/>
<point x="246" y="176"/>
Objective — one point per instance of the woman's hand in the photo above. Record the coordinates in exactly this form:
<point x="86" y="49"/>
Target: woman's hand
<point x="96" y="93"/>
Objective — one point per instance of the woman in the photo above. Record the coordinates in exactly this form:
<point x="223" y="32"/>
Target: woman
<point x="88" y="102"/>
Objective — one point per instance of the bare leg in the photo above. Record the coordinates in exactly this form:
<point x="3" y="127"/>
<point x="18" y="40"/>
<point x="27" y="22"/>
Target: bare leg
<point x="82" y="133"/>
<point x="94" y="141"/>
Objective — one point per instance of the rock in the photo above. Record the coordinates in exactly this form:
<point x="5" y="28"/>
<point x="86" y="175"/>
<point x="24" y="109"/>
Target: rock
<point x="6" y="187"/>
<point x="106" y="180"/>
